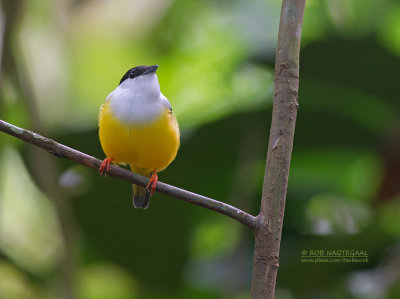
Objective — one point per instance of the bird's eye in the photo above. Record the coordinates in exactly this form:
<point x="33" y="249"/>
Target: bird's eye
<point x="132" y="75"/>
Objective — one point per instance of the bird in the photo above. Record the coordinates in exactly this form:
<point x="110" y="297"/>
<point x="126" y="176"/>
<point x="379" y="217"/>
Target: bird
<point x="137" y="128"/>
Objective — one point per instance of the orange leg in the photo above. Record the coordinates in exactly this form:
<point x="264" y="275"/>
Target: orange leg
<point x="153" y="182"/>
<point x="105" y="166"/>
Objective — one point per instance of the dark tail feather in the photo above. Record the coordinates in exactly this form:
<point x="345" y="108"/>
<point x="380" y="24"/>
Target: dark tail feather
<point x="140" y="196"/>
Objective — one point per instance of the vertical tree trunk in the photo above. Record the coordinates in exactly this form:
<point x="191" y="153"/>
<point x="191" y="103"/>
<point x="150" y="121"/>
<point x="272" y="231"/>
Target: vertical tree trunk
<point x="269" y="221"/>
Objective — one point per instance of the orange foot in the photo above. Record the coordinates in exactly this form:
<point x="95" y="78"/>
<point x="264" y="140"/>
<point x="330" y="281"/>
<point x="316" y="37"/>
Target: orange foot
<point x="153" y="182"/>
<point x="105" y="166"/>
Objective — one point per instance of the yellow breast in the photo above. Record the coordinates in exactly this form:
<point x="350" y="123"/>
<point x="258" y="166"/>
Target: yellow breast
<point x="149" y="145"/>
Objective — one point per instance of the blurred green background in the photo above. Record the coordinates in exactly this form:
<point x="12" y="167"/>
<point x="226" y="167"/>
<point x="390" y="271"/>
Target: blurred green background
<point x="67" y="233"/>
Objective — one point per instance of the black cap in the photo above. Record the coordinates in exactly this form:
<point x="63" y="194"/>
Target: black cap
<point x="139" y="71"/>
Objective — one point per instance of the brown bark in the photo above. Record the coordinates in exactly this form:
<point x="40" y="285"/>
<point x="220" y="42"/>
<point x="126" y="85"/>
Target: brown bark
<point x="269" y="222"/>
<point x="62" y="151"/>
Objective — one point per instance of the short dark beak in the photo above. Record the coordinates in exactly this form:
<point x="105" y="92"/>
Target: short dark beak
<point x="151" y="69"/>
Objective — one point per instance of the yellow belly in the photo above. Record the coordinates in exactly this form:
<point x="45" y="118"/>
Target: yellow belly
<point x="151" y="146"/>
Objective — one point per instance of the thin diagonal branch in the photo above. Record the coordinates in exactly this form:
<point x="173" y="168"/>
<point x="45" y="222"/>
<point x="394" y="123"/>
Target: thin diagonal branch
<point x="66" y="152"/>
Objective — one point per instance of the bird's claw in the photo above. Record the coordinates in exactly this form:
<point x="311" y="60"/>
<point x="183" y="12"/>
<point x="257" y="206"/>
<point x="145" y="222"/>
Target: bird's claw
<point x="152" y="183"/>
<point x="105" y="166"/>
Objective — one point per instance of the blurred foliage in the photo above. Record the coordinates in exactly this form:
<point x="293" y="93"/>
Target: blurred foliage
<point x="34" y="242"/>
<point x="60" y="59"/>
